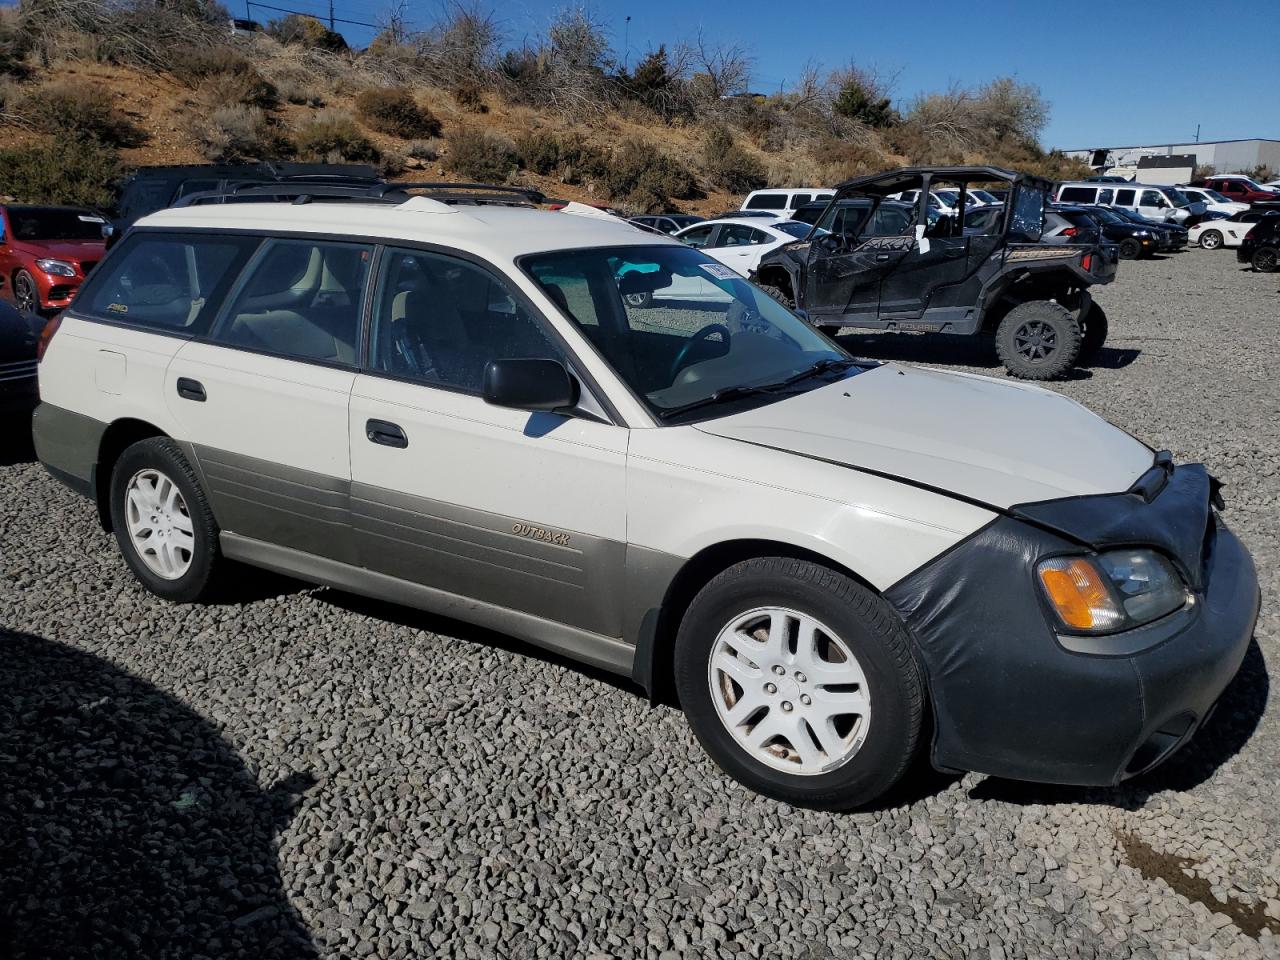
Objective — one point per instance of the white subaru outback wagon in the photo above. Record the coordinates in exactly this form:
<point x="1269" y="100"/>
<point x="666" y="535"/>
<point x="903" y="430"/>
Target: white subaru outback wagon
<point x="610" y="445"/>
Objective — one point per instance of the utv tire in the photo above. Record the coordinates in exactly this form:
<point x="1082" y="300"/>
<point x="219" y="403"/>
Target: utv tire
<point x="778" y="294"/>
<point x="1211" y="239"/>
<point x="1130" y="249"/>
<point x="1038" y="340"/>
<point x="163" y="523"/>
<point x="1265" y="259"/>
<point x="741" y="658"/>
<point x="1095" y="333"/>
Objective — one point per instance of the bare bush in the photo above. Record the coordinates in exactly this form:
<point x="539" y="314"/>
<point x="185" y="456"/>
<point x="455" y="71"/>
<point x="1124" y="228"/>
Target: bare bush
<point x="482" y="155"/>
<point x="644" y="177"/>
<point x="427" y="150"/>
<point x="224" y="76"/>
<point x="304" y="31"/>
<point x="470" y="96"/>
<point x="729" y="166"/>
<point x="82" y="109"/>
<point x="149" y="33"/>
<point x="237" y="132"/>
<point x="332" y="136"/>
<point x="394" y="111"/>
<point x="75" y="170"/>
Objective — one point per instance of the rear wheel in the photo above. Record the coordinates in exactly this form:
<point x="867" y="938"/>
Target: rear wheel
<point x="163" y="523"/>
<point x="1264" y="259"/>
<point x="1211" y="239"/>
<point x="638" y="300"/>
<point x="1095" y="332"/>
<point x="1130" y="249"/>
<point x="1038" y="340"/>
<point x="800" y="683"/>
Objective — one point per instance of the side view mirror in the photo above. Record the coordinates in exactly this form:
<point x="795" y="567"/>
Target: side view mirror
<point x="529" y="384"/>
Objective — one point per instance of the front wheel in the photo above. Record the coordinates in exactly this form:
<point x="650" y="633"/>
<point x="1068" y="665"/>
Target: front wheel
<point x="1038" y="340"/>
<point x="1211" y="239"/>
<point x="1130" y="249"/>
<point x="778" y="294"/>
<point x="1264" y="259"/>
<point x="163" y="523"/>
<point x="640" y="301"/>
<point x="25" y="293"/>
<point x="800" y="683"/>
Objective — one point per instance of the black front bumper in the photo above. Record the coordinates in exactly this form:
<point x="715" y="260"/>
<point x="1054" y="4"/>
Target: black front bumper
<point x="1014" y="699"/>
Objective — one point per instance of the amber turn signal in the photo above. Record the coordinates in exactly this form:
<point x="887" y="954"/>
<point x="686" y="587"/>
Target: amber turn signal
<point x="1079" y="594"/>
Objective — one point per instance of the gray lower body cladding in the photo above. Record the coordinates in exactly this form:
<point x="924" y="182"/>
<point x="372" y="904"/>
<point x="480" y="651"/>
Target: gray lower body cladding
<point x="67" y="444"/>
<point x="1014" y="699"/>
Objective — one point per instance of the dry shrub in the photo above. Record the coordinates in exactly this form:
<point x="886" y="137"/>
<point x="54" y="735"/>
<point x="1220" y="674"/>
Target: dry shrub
<point x="394" y="111"/>
<point x="73" y="170"/>
<point x="482" y="155"/>
<point x="81" y="109"/>
<point x="332" y="136"/>
<point x="727" y="165"/>
<point x="840" y="160"/>
<point x="470" y="97"/>
<point x="567" y="157"/>
<point x="239" y="133"/>
<point x="224" y="76"/>
<point x="300" y="91"/>
<point x="427" y="150"/>
<point x="645" y="177"/>
<point x="304" y="31"/>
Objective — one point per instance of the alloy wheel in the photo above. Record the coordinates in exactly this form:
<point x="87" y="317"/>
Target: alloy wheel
<point x="25" y="293"/>
<point x="789" y="691"/>
<point x="160" y="527"/>
<point x="1035" y="340"/>
<point x="1211" y="239"/>
<point x="1265" y="260"/>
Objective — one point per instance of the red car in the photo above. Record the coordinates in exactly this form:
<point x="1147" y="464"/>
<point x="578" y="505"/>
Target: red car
<point x="46" y="252"/>
<point x="1241" y="189"/>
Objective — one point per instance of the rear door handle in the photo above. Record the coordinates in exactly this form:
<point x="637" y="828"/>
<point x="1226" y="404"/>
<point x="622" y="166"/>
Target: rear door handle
<point x="190" y="389"/>
<point x="385" y="433"/>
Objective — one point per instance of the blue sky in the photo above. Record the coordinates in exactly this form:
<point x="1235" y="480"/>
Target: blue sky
<point x="1122" y="73"/>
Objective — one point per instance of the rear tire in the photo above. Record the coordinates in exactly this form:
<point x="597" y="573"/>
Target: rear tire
<point x="1130" y="249"/>
<point x="1211" y="239"/>
<point x="835" y="737"/>
<point x="1038" y="340"/>
<point x="1095" y="332"/>
<point x="163" y="523"/>
<point x="639" y="301"/>
<point x="1264" y="259"/>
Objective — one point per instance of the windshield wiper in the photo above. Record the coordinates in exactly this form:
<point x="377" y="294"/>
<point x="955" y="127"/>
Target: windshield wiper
<point x="726" y="394"/>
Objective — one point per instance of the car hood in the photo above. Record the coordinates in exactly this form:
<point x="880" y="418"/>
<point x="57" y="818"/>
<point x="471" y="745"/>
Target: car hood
<point x="980" y="439"/>
<point x="74" y="250"/>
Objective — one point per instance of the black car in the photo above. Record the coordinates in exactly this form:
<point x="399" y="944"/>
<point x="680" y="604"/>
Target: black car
<point x="19" y="339"/>
<point x="1261" y="245"/>
<point x="896" y="267"/>
<point x="667" y="222"/>
<point x="1173" y="236"/>
<point x="1133" y="240"/>
<point x="150" y="189"/>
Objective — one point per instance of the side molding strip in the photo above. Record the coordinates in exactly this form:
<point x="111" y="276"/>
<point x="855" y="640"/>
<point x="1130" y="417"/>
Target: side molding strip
<point x="608" y="653"/>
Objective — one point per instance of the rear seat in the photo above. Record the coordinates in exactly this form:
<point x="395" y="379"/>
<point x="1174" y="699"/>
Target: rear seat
<point x="323" y="333"/>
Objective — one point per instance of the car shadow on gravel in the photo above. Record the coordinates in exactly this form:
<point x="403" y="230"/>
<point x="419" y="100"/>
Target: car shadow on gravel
<point x="16" y="445"/>
<point x="1231" y="726"/>
<point x="961" y="351"/>
<point x="129" y="826"/>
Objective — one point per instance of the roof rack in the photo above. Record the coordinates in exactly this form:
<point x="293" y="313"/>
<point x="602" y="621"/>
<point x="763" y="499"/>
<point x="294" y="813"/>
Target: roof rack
<point x="302" y="190"/>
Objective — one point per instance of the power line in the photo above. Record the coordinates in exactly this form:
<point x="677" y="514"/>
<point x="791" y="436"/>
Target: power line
<point x="249" y="4"/>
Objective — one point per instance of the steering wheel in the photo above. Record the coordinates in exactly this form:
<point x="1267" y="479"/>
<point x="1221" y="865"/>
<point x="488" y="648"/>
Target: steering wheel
<point x="683" y="356"/>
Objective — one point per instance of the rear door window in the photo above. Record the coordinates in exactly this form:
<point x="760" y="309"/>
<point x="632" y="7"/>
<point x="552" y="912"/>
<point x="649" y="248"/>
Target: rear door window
<point x="1124" y="198"/>
<point x="165" y="281"/>
<point x="767" y="201"/>
<point x="698" y="237"/>
<point x="300" y="299"/>
<point x="1078" y="194"/>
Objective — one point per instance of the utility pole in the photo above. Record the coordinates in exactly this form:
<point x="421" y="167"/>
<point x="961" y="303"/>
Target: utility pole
<point x="331" y="21"/>
<point x="1197" y="133"/>
<point x="626" y="45"/>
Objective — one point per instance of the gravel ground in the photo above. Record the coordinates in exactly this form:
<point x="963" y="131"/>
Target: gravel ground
<point x="309" y="774"/>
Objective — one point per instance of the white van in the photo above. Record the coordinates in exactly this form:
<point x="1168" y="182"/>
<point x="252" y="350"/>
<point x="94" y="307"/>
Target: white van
<point x="1150" y="200"/>
<point x="785" y="200"/>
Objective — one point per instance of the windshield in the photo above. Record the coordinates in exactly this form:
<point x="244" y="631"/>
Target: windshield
<point x="52" y="223"/>
<point x="1178" y="197"/>
<point x="1216" y="196"/>
<point x="1110" y="216"/>
<point x="793" y="229"/>
<point x="983" y="196"/>
<point x="678" y="327"/>
<point x="949" y="197"/>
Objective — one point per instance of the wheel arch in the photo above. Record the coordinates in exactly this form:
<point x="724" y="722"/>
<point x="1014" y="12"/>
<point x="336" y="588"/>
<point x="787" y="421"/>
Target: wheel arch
<point x="118" y="437"/>
<point x="653" y="668"/>
<point x="781" y="275"/>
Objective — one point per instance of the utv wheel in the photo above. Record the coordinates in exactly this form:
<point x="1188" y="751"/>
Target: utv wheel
<point x="25" y="293"/>
<point x="1264" y="259"/>
<point x="778" y="294"/>
<point x="1095" y="332"/>
<point x="800" y="683"/>
<point x="1211" y="239"/>
<point x="1038" y="340"/>
<point x="1130" y="249"/>
<point x="640" y="301"/>
<point x="162" y="522"/>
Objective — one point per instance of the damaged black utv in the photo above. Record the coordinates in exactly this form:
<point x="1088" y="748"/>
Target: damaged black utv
<point x="956" y="267"/>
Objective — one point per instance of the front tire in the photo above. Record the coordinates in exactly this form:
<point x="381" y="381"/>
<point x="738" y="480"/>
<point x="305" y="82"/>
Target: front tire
<point x="1211" y="239"/>
<point x="1038" y="340"/>
<point x="1130" y="249"/>
<point x="778" y="294"/>
<point x="1264" y="259"/>
<point x="1095" y="332"/>
<point x="163" y="524"/>
<point x="800" y="683"/>
<point x="25" y="292"/>
<point x="639" y="301"/>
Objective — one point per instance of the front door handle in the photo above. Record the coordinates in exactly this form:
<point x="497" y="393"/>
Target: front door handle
<point x="385" y="433"/>
<point x="189" y="389"/>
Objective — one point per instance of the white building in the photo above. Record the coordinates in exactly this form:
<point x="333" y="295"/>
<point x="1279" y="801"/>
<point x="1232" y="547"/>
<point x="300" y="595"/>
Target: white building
<point x="1225" y="156"/>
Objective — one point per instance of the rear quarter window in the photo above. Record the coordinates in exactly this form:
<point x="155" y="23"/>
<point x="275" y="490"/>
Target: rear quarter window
<point x="165" y="282"/>
<point x="767" y="201"/>
<point x="1078" y="194"/>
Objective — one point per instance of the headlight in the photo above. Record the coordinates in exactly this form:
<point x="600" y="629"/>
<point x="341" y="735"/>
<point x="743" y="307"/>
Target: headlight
<point x="57" y="268"/>
<point x="1114" y="591"/>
